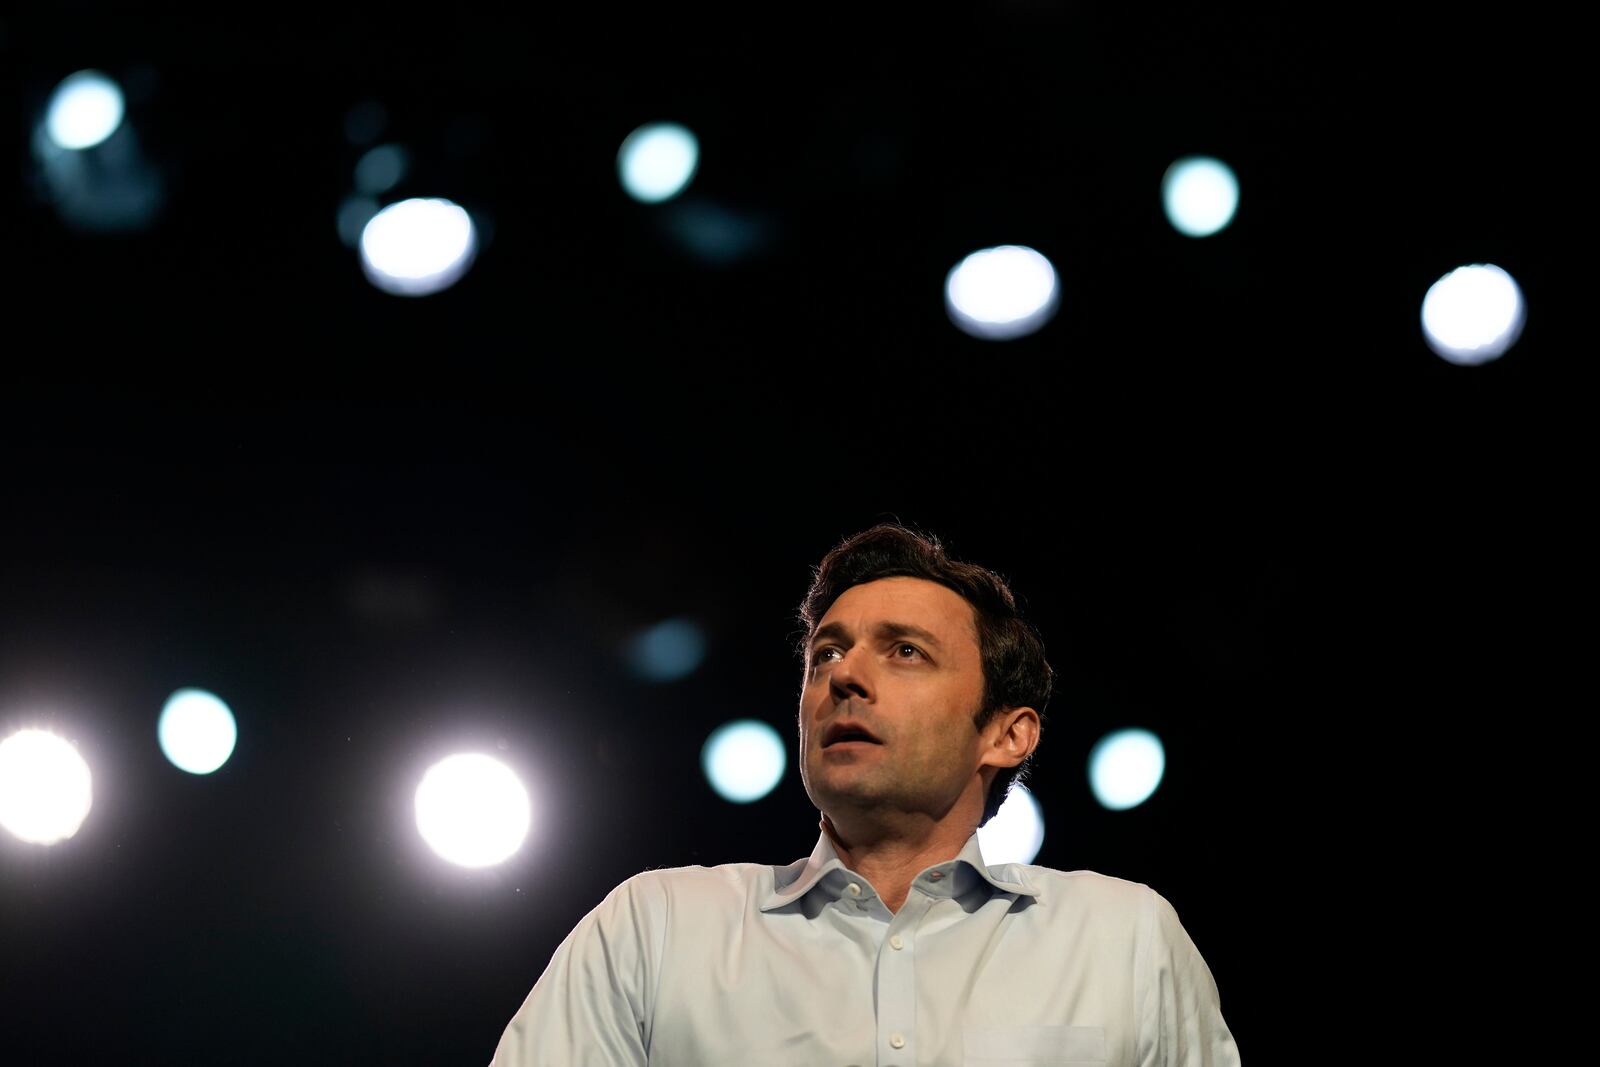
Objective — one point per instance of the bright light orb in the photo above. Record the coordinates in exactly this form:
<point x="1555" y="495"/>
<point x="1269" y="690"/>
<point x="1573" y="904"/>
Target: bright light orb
<point x="418" y="246"/>
<point x="744" y="760"/>
<point x="1473" y="314"/>
<point x="1016" y="833"/>
<point x="85" y="109"/>
<point x="1200" y="195"/>
<point x="1125" y="768"/>
<point x="45" y="788"/>
<point x="1000" y="293"/>
<point x="472" y="810"/>
<point x="657" y="161"/>
<point x="668" y="650"/>
<point x="196" y="731"/>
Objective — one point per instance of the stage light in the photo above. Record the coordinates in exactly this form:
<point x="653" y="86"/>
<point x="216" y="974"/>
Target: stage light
<point x="45" y="787"/>
<point x="744" y="760"/>
<point x="88" y="160"/>
<point x="1125" y="768"/>
<point x="1001" y="293"/>
<point x="472" y="810"/>
<point x="668" y="650"/>
<point x="1016" y="833"/>
<point x="1473" y="314"/>
<point x="85" y="109"/>
<point x="657" y="161"/>
<point x="1200" y="195"/>
<point x="418" y="247"/>
<point x="196" y="731"/>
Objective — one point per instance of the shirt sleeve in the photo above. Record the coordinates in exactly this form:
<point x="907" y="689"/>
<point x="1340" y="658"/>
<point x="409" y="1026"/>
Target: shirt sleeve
<point x="1179" y="1010"/>
<point x="591" y="1007"/>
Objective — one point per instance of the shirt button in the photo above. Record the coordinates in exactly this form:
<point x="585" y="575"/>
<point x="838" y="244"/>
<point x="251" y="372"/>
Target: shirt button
<point x="853" y="889"/>
<point x="895" y="942"/>
<point x="897" y="1041"/>
<point x="935" y="876"/>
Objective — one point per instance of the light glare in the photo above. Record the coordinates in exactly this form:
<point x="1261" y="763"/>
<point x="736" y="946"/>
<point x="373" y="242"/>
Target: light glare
<point x="743" y="760"/>
<point x="1016" y="833"/>
<point x="85" y="109"/>
<point x="418" y="246"/>
<point x="472" y="810"/>
<point x="1000" y="293"/>
<point x="1125" y="768"/>
<point x="196" y="731"/>
<point x="1200" y="195"/>
<point x="1473" y="314"/>
<point x="657" y="161"/>
<point x="45" y="788"/>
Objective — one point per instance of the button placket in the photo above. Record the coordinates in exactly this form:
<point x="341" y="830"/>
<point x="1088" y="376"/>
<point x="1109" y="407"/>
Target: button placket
<point x="896" y="982"/>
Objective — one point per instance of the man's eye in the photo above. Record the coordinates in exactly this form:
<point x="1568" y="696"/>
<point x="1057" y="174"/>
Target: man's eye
<point x="901" y="651"/>
<point x="826" y="652"/>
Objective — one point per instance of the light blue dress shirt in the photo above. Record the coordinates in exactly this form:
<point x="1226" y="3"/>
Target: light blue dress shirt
<point x="803" y="966"/>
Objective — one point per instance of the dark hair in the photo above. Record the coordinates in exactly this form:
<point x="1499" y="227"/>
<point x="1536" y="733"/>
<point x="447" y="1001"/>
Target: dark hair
<point x="1015" y="673"/>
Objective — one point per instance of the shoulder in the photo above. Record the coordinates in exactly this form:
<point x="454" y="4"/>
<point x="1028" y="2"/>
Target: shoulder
<point x="680" y="890"/>
<point x="1104" y="895"/>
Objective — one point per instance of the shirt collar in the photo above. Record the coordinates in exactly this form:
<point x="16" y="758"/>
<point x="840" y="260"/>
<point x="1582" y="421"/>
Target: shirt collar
<point x="794" y="881"/>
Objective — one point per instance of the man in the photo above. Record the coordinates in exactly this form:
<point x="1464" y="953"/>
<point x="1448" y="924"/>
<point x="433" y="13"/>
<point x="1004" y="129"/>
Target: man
<point x="894" y="943"/>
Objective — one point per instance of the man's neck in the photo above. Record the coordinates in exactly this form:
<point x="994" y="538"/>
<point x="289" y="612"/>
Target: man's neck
<point x="890" y="861"/>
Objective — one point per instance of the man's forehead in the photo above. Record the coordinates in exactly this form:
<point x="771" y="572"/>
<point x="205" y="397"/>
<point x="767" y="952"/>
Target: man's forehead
<point x="916" y="601"/>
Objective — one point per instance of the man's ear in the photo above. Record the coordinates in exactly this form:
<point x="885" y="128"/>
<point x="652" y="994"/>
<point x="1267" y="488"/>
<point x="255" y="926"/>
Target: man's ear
<point x="1010" y="737"/>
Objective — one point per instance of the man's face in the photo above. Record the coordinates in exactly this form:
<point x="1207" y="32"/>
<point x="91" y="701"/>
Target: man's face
<point x="899" y="658"/>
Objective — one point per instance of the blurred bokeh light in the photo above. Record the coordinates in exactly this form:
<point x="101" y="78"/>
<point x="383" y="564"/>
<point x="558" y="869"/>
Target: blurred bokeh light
<point x="45" y="787"/>
<point x="1125" y="768"/>
<point x="472" y="810"/>
<point x="744" y="760"/>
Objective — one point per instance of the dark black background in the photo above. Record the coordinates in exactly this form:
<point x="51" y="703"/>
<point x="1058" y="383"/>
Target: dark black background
<point x="1244" y="503"/>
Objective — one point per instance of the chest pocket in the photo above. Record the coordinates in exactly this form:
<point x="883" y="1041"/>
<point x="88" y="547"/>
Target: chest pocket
<point x="1033" y="1046"/>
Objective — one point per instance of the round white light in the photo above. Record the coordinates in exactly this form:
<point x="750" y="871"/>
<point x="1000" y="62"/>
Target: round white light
<point x="1016" y="833"/>
<point x="1125" y="767"/>
<point x="1473" y="314"/>
<point x="1001" y="293"/>
<point x="657" y="161"/>
<point x="196" y="731"/>
<point x="743" y="760"/>
<point x="85" y="109"/>
<point x="472" y="810"/>
<point x="45" y="789"/>
<point x="1200" y="195"/>
<point x="418" y="247"/>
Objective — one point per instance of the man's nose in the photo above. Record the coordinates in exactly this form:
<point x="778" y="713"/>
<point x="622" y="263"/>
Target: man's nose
<point x="851" y="676"/>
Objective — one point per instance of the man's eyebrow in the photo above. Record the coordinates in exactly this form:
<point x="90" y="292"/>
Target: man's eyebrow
<point x="905" y="629"/>
<point x="834" y="631"/>
<point x="837" y="631"/>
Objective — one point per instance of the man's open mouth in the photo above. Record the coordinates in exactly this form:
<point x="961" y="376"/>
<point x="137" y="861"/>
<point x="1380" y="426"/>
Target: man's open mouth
<point x="840" y="733"/>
